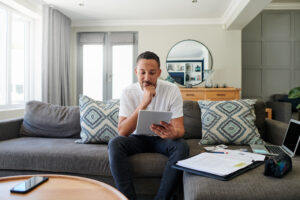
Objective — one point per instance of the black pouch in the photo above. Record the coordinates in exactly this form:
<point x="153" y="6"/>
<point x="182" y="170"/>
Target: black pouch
<point x="278" y="166"/>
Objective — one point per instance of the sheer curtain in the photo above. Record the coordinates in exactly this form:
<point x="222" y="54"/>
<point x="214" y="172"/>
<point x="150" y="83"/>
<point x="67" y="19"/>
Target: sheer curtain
<point x="56" y="57"/>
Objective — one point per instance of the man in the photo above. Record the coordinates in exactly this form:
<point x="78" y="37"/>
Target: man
<point x="148" y="94"/>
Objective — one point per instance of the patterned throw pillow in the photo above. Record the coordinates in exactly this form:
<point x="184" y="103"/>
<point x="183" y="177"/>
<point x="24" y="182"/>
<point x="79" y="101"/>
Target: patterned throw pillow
<point x="98" y="120"/>
<point x="229" y="122"/>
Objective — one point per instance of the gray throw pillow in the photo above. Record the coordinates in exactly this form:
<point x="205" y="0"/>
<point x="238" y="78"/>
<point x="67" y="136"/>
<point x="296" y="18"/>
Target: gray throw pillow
<point x="98" y="120"/>
<point x="48" y="120"/>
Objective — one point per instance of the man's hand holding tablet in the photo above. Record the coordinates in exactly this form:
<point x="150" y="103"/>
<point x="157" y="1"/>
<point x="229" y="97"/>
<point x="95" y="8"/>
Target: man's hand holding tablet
<point x="154" y="123"/>
<point x="164" y="130"/>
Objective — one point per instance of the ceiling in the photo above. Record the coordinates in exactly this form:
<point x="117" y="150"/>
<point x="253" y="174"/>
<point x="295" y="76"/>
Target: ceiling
<point x="150" y="12"/>
<point x="285" y="1"/>
<point x="141" y="9"/>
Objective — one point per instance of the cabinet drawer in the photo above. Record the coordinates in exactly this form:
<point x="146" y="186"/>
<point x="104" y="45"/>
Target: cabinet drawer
<point x="190" y="99"/>
<point x="220" y="95"/>
<point x="212" y="94"/>
<point x="190" y="95"/>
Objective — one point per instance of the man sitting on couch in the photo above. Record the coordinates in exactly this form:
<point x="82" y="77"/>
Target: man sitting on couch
<point x="148" y="94"/>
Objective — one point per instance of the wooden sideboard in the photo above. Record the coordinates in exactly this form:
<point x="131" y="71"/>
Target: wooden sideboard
<point x="212" y="94"/>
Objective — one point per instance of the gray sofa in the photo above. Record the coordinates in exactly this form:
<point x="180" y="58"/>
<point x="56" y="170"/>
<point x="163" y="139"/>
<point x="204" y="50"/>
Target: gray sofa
<point x="282" y="111"/>
<point x="34" y="155"/>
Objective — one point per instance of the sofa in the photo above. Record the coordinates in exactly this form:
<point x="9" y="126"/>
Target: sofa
<point x="283" y="108"/>
<point x="21" y="155"/>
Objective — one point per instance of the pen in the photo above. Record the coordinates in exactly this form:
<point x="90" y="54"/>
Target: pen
<point x="219" y="152"/>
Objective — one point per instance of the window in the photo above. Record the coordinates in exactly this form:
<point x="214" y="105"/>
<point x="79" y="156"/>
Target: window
<point x="105" y="63"/>
<point x="122" y="68"/>
<point x="93" y="67"/>
<point x="17" y="58"/>
<point x="3" y="35"/>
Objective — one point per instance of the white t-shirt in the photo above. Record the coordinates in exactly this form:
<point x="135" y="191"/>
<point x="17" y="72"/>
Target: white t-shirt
<point x="167" y="98"/>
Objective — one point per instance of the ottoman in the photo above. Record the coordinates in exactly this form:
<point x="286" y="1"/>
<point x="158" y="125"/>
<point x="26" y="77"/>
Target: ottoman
<point x="250" y="185"/>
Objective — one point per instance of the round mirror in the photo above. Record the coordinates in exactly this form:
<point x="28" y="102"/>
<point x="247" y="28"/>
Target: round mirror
<point x="189" y="62"/>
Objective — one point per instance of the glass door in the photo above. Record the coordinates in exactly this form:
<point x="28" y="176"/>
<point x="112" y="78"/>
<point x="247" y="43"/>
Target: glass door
<point x="122" y="67"/>
<point x="105" y="64"/>
<point x="92" y="82"/>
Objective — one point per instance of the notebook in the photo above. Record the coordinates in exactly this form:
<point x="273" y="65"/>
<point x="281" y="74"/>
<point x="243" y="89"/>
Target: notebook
<point x="146" y="118"/>
<point x="289" y="145"/>
<point x="223" y="166"/>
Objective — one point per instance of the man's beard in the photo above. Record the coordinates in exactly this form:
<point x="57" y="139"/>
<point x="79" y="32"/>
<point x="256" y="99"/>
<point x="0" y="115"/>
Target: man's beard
<point x="147" y="83"/>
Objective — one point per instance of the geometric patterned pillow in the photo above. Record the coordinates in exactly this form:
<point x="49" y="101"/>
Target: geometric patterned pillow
<point x="98" y="120"/>
<point x="229" y="122"/>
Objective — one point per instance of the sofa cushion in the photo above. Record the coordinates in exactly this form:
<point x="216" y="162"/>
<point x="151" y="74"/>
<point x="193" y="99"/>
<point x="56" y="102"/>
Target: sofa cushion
<point x="64" y="155"/>
<point x="247" y="186"/>
<point x="98" y="120"/>
<point x="196" y="147"/>
<point x="192" y="120"/>
<point x="260" y="113"/>
<point x="48" y="120"/>
<point x="229" y="122"/>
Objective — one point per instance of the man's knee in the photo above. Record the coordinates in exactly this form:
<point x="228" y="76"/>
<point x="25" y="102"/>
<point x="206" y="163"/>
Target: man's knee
<point x="184" y="147"/>
<point x="181" y="147"/>
<point x="115" y="144"/>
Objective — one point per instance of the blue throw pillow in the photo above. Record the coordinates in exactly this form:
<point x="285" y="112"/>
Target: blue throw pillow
<point x="229" y="122"/>
<point x="98" y="120"/>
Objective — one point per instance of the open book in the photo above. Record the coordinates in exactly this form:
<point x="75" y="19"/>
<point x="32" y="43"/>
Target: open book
<point x="221" y="164"/>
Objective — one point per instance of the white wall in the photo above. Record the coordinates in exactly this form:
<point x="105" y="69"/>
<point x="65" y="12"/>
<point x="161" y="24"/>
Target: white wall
<point x="225" y="47"/>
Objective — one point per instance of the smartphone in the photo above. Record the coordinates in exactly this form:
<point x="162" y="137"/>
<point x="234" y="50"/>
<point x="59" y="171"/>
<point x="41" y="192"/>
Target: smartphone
<point x="29" y="184"/>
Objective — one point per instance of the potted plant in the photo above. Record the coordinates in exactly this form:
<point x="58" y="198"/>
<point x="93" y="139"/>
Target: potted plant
<point x="295" y="94"/>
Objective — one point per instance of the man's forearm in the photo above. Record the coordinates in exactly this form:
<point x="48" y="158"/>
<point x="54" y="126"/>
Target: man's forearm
<point x="127" y="126"/>
<point x="179" y="127"/>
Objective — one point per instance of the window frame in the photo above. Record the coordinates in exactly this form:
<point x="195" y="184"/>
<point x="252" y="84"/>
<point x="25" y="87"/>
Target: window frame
<point x="107" y="63"/>
<point x="30" y="58"/>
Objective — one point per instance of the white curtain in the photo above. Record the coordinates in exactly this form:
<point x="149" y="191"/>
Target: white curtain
<point x="56" y="57"/>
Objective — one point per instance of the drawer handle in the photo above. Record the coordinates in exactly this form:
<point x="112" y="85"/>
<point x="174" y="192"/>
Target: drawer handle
<point x="221" y="95"/>
<point x="190" y="95"/>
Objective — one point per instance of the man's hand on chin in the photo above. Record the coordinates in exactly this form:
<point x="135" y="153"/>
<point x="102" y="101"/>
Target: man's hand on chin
<point x="164" y="130"/>
<point x="149" y="93"/>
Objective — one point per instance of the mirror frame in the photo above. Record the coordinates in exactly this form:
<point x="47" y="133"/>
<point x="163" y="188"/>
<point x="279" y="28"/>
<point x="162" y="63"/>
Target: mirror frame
<point x="204" y="75"/>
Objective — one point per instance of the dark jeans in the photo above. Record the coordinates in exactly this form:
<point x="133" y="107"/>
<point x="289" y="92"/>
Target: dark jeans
<point x="121" y="147"/>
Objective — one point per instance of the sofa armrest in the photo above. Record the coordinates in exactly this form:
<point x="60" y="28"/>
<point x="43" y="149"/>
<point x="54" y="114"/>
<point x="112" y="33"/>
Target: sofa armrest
<point x="10" y="129"/>
<point x="277" y="97"/>
<point x="275" y="131"/>
<point x="281" y="111"/>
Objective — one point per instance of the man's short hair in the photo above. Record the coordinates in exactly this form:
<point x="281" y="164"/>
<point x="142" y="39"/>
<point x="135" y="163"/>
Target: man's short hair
<point x="148" y="55"/>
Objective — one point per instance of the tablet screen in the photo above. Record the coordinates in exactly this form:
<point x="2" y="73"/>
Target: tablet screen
<point x="146" y="118"/>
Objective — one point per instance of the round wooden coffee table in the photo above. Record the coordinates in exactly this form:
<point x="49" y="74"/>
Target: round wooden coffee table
<point x="60" y="187"/>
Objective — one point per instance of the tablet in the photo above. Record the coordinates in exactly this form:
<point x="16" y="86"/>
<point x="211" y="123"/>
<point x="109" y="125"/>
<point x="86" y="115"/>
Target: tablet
<point x="146" y="118"/>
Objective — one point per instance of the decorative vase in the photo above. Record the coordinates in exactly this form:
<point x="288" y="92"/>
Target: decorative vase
<point x="208" y="81"/>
